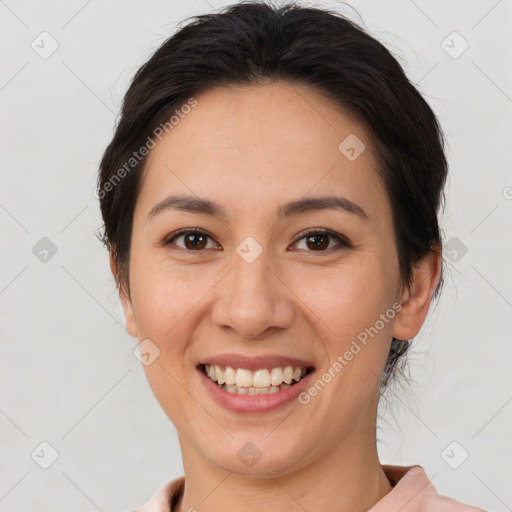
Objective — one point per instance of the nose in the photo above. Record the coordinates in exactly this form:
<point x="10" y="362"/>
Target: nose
<point x="253" y="299"/>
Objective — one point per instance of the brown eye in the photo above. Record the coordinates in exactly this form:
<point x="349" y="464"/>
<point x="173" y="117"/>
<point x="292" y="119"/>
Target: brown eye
<point x="319" y="240"/>
<point x="193" y="240"/>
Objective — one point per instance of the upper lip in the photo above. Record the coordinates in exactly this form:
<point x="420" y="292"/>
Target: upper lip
<point x="256" y="362"/>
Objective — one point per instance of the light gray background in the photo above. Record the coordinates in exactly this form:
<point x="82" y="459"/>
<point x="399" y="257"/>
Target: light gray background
<point x="68" y="373"/>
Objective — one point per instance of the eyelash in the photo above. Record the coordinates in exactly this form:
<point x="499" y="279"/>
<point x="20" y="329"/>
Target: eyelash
<point x="343" y="242"/>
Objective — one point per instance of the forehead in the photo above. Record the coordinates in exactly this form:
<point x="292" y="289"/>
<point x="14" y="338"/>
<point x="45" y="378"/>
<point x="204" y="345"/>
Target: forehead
<point x="266" y="141"/>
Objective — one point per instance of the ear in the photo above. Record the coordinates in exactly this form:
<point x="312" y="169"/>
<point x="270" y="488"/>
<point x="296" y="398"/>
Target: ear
<point x="126" y="301"/>
<point x="415" y="300"/>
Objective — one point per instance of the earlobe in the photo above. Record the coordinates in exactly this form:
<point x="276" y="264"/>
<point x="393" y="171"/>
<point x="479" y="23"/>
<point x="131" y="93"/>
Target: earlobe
<point x="131" y="325"/>
<point x="415" y="300"/>
<point x="126" y="301"/>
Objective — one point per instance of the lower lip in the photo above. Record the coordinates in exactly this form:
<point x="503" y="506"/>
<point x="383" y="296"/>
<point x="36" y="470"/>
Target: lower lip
<point x="254" y="403"/>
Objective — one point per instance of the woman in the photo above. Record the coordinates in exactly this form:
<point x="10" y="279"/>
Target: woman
<point x="270" y="201"/>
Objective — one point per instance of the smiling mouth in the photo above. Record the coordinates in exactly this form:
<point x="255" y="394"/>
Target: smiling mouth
<point x="241" y="381"/>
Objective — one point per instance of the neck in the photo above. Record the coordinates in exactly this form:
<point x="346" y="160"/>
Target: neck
<point x="347" y="477"/>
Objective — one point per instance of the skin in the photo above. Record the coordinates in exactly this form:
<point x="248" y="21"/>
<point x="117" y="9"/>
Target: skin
<point x="252" y="149"/>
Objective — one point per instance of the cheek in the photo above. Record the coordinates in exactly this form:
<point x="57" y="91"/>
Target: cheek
<point x="353" y="319"/>
<point x="168" y="308"/>
<point x="164" y="301"/>
<point x="348" y="300"/>
<point x="162" y="295"/>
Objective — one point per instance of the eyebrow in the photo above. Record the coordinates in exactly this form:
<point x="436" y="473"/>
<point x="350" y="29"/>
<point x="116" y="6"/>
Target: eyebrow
<point x="194" y="204"/>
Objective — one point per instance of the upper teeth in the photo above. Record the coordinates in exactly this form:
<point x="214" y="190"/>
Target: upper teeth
<point x="259" y="379"/>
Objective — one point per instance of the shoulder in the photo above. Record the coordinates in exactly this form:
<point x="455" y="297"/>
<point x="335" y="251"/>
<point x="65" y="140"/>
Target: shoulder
<point x="164" y="499"/>
<point x="413" y="491"/>
<point x="444" y="504"/>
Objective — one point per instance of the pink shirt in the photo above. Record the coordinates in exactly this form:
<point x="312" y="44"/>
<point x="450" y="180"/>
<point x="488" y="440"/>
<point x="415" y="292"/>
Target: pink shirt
<point x="412" y="492"/>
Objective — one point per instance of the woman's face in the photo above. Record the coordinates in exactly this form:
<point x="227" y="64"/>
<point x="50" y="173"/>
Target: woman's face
<point x="254" y="284"/>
